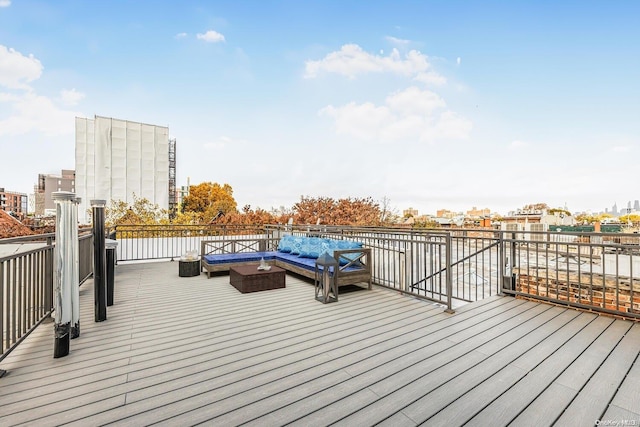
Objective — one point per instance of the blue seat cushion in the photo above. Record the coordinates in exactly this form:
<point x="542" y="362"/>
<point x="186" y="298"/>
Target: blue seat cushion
<point x="239" y="257"/>
<point x="306" y="263"/>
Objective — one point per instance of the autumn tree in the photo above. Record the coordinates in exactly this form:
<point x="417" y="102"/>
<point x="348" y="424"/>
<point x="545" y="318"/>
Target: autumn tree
<point x="355" y="211"/>
<point x="208" y="200"/>
<point x="536" y="206"/>
<point x="428" y="224"/>
<point x="281" y="215"/>
<point x="631" y="219"/>
<point x="560" y="211"/>
<point x="325" y="210"/>
<point x="311" y="210"/>
<point x="590" y="219"/>
<point x="141" y="211"/>
<point x="248" y="216"/>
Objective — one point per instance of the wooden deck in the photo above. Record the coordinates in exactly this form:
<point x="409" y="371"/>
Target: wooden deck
<point x="183" y="351"/>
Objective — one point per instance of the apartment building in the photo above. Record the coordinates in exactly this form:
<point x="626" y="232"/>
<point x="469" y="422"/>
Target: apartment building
<point x="50" y="183"/>
<point x="14" y="203"/>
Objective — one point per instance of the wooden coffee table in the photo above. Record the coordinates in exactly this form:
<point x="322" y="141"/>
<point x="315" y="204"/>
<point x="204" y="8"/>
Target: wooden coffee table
<point x="247" y="278"/>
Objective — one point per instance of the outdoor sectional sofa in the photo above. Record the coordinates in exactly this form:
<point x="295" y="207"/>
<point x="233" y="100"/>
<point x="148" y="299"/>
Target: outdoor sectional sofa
<point x="296" y="254"/>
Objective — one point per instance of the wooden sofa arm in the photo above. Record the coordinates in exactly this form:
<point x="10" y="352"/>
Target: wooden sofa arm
<point x="355" y="268"/>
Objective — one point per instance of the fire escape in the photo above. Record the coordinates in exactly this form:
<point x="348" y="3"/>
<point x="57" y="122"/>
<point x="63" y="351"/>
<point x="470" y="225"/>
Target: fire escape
<point x="173" y="208"/>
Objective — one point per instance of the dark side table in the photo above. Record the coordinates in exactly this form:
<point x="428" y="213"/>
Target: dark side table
<point x="189" y="268"/>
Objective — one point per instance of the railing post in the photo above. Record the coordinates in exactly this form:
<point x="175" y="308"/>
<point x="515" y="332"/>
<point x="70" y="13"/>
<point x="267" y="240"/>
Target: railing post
<point x="512" y="275"/>
<point x="406" y="266"/>
<point x="48" y="278"/>
<point x="501" y="262"/>
<point x="509" y="263"/>
<point x="75" y="280"/>
<point x="410" y="266"/>
<point x="99" y="261"/>
<point x="449" y="274"/>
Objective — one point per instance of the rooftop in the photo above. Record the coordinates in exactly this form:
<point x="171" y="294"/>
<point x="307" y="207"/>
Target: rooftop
<point x="11" y="227"/>
<point x="184" y="351"/>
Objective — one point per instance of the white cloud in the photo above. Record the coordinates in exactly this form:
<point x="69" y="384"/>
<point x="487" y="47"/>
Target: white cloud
<point x="413" y="100"/>
<point x="36" y="113"/>
<point x="211" y="37"/>
<point x="397" y="41"/>
<point x="5" y="3"/>
<point x="431" y="77"/>
<point x="458" y="60"/>
<point x="621" y="149"/>
<point x="517" y="145"/>
<point x="28" y="110"/>
<point x="411" y="114"/>
<point x="362" y="121"/>
<point x="181" y="35"/>
<point x="16" y="70"/>
<point x="71" y="97"/>
<point x="351" y="60"/>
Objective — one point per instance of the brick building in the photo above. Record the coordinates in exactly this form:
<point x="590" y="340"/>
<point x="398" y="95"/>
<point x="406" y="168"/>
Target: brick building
<point x="14" y="203"/>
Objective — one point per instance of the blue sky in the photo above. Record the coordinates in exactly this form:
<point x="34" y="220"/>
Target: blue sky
<point x="430" y="104"/>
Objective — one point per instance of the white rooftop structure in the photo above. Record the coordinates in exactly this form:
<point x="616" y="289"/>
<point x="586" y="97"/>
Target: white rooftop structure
<point x="116" y="159"/>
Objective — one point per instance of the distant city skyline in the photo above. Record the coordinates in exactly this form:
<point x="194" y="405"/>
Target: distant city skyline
<point x="434" y="105"/>
<point x="630" y="206"/>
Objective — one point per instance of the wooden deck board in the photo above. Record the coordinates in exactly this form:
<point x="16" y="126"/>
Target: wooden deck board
<point x="628" y="396"/>
<point x="473" y="357"/>
<point x="551" y="402"/>
<point x="474" y="380"/>
<point x="592" y="401"/>
<point x="341" y="396"/>
<point x="542" y="364"/>
<point x="179" y="351"/>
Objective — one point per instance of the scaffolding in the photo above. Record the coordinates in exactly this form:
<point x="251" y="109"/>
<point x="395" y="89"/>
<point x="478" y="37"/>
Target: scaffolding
<point x="173" y="205"/>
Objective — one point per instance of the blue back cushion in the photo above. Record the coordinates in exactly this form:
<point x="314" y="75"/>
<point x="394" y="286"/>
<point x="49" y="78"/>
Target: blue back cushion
<point x="313" y="247"/>
<point x="348" y="244"/>
<point x="296" y="244"/>
<point x="285" y="243"/>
